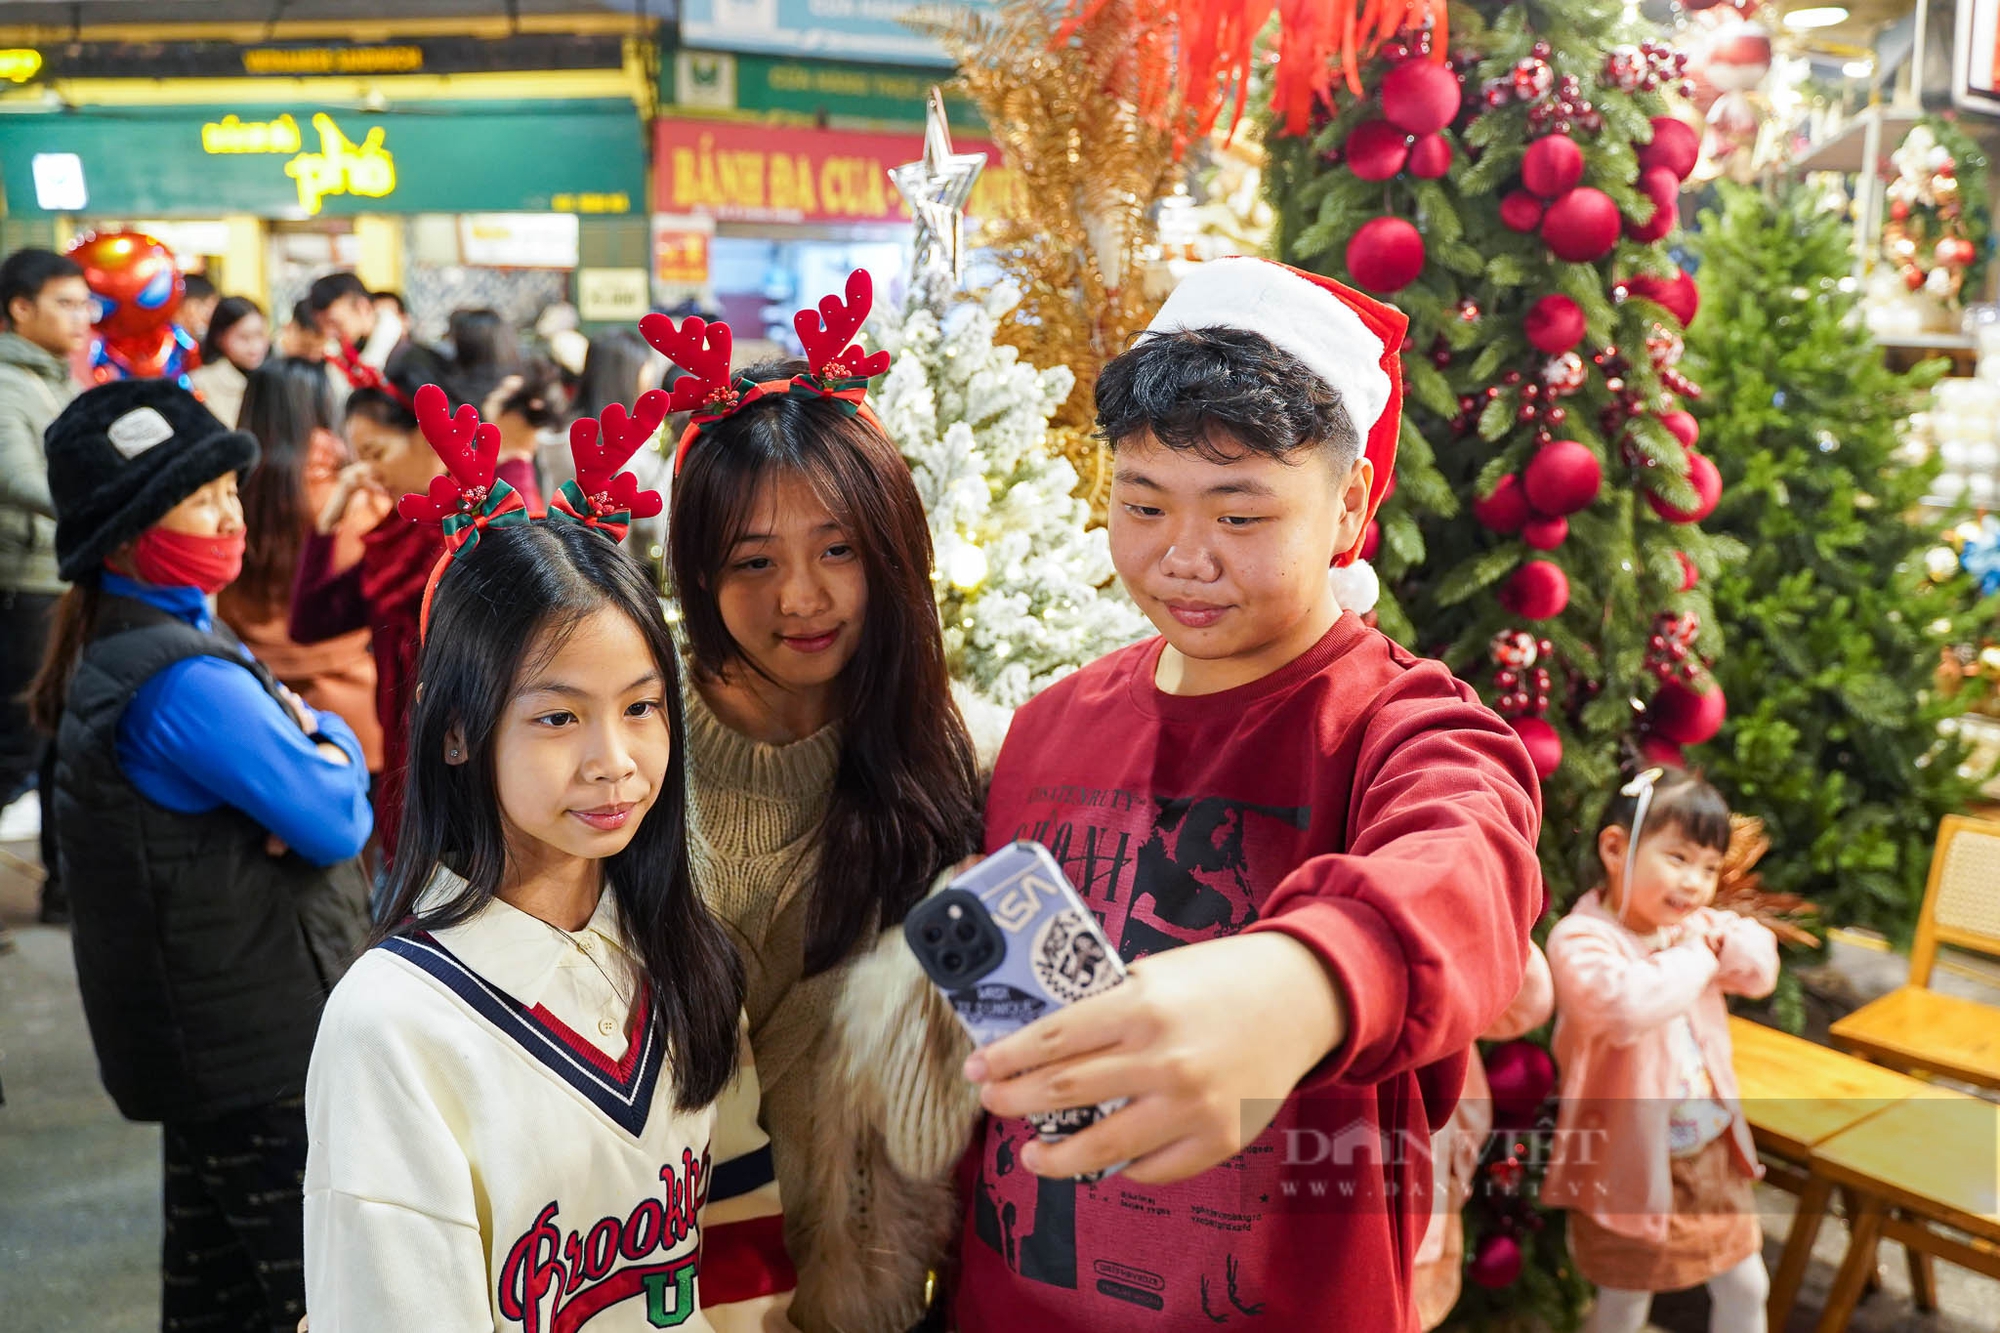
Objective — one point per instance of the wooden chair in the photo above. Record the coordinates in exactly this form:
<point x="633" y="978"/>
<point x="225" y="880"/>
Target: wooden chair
<point x="1914" y="1028"/>
<point x="1924" y="1172"/>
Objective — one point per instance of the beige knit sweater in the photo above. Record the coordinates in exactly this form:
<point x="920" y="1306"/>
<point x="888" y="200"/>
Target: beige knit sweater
<point x="862" y="1097"/>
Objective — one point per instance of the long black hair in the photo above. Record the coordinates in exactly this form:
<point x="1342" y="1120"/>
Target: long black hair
<point x="229" y="312"/>
<point x="286" y="400"/>
<point x="516" y="588"/>
<point x="611" y="371"/>
<point x="905" y="801"/>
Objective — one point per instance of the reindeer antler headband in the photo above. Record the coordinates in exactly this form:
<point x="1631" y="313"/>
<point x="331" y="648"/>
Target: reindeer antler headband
<point x="471" y="497"/>
<point x="840" y="370"/>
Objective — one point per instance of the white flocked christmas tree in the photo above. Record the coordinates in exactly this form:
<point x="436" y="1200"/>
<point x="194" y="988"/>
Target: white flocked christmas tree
<point x="1025" y="586"/>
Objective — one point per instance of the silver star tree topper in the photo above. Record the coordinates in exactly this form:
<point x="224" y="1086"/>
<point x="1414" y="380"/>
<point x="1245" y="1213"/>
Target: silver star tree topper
<point x="938" y="188"/>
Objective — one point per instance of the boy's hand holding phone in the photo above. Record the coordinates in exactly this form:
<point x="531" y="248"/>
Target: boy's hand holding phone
<point x="1193" y="1037"/>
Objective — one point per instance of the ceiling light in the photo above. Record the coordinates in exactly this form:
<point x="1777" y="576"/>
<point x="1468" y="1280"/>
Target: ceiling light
<point x="1819" y="17"/>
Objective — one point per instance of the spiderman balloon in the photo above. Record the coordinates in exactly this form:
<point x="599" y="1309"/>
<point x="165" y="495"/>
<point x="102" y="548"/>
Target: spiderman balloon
<point x="138" y="289"/>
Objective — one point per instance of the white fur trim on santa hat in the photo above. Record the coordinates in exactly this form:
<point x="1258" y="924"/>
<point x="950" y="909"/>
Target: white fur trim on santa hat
<point x="1306" y="320"/>
<point x="1356" y="587"/>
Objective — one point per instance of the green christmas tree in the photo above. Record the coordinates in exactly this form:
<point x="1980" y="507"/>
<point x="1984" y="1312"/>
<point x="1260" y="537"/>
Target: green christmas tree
<point x="1544" y="536"/>
<point x="1833" y="619"/>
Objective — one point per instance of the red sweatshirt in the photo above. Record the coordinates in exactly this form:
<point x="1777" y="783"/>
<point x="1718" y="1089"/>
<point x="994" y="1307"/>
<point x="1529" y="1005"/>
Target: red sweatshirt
<point x="1359" y="799"/>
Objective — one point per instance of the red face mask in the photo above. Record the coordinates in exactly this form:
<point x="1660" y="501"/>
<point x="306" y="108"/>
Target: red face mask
<point x="180" y="560"/>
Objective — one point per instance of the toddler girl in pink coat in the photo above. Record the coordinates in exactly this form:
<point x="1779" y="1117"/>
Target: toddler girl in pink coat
<point x="1653" y="1158"/>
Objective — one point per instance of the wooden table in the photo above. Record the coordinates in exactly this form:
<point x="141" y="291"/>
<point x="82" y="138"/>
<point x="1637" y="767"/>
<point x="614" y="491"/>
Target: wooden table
<point x="1916" y="1028"/>
<point x="1928" y="1159"/>
<point x="1797" y="1094"/>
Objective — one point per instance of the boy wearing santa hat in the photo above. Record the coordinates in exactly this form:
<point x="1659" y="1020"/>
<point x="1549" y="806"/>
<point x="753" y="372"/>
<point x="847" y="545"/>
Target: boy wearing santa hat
<point x="1315" y="849"/>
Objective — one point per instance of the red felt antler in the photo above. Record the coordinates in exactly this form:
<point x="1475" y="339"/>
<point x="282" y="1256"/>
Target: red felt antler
<point x="469" y="449"/>
<point x="602" y="446"/>
<point x="827" y="332"/>
<point x="702" y="350"/>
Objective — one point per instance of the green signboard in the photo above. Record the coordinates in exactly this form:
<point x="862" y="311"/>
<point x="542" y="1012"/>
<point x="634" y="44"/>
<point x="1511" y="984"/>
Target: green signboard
<point x="810" y="89"/>
<point x="280" y="160"/>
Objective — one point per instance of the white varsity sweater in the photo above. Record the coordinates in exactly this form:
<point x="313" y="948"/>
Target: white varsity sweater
<point x="494" y="1146"/>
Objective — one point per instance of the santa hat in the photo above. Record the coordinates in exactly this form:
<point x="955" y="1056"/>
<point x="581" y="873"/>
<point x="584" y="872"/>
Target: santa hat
<point x="1351" y="341"/>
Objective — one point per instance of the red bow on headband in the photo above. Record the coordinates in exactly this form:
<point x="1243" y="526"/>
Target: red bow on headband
<point x="840" y="369"/>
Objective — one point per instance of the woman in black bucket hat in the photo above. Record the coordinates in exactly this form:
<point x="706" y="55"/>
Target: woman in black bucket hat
<point x="207" y="822"/>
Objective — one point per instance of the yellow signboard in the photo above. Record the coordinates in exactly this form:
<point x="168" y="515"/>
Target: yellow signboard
<point x="341" y="166"/>
<point x="18" y="66"/>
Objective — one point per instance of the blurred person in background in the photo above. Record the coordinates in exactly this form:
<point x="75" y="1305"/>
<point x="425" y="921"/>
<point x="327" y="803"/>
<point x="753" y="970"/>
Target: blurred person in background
<point x="371" y="340"/>
<point x="288" y="408"/>
<point x="484" y="351"/>
<point x="238" y="340"/>
<point x="198" y="304"/>
<point x="392" y="304"/>
<point x="383" y="590"/>
<point x="47" y="309"/>
<point x="301" y="336"/>
<point x="209" y="822"/>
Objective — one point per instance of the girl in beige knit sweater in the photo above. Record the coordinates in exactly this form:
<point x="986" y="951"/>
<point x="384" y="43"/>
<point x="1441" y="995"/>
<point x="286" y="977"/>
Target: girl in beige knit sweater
<point x="833" y="778"/>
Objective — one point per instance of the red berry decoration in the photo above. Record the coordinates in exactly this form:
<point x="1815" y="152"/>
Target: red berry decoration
<point x="1689" y="574"/>
<point x="1552" y="166"/>
<point x="1545" y="747"/>
<point x="1421" y="96"/>
<point x="1684" y="715"/>
<point x="1387" y="254"/>
<point x="1521" y="211"/>
<point x="1430" y="157"/>
<point x="1497" y="1265"/>
<point x="1707" y="483"/>
<point x="1376" y="150"/>
<point x="1677" y="295"/>
<point x="1562" y="478"/>
<point x="1554" y="324"/>
<point x="1506" y="510"/>
<point x="1682" y="426"/>
<point x="1537" y="590"/>
<point x="1674" y="146"/>
<point x="1582" y="226"/>
<point x="1545" y="534"/>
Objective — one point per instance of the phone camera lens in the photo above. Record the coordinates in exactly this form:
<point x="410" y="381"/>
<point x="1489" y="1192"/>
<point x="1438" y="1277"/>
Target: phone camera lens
<point x="952" y="960"/>
<point x="933" y="934"/>
<point x="966" y="931"/>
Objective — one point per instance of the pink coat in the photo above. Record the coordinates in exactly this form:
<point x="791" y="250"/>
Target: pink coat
<point x="1615" y="998"/>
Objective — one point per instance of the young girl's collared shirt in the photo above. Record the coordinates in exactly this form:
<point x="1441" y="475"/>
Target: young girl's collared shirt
<point x="495" y="1145"/>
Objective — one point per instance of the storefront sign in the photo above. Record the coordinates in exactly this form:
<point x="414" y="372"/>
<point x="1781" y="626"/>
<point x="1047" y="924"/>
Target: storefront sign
<point x="293" y="60"/>
<point x="680" y="249"/>
<point x="18" y="66"/>
<point x="719" y="81"/>
<point x="518" y="240"/>
<point x="604" y="295"/>
<point x="756" y="173"/>
<point x="281" y="161"/>
<point x="838" y="29"/>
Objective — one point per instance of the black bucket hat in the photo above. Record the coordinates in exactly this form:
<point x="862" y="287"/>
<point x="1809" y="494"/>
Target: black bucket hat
<point x="123" y="454"/>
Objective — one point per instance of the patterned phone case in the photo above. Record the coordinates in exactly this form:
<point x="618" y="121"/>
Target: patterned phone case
<point x="1056" y="954"/>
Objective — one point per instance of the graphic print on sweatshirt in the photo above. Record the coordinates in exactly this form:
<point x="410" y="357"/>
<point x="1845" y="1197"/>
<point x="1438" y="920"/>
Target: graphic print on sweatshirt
<point x="1158" y="873"/>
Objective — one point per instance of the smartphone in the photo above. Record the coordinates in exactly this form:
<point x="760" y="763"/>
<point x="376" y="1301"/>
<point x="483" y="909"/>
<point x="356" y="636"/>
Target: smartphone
<point x="1008" y="942"/>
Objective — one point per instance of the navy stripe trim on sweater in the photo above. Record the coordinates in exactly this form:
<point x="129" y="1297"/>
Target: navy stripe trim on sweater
<point x="626" y="1104"/>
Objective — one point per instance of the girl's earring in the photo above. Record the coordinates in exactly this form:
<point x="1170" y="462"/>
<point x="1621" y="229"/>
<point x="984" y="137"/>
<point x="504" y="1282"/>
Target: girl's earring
<point x="453" y="756"/>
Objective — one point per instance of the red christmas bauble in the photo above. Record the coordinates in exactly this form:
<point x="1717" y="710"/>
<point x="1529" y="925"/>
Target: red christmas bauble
<point x="1520" y="1073"/>
<point x="1664" y="191"/>
<point x="1663" y="752"/>
<point x="1506" y="509"/>
<point x="1376" y="150"/>
<point x="1689" y="574"/>
<point x="1552" y="166"/>
<point x="1686" y="716"/>
<point x="1387" y="254"/>
<point x="1545" y="534"/>
<point x="1537" y="590"/>
<point x="1521" y="211"/>
<point x="1554" y="324"/>
<point x="1674" y="146"/>
<point x="1498" y="1264"/>
<point x="1430" y="156"/>
<point x="1371" y="540"/>
<point x="1422" y="96"/>
<point x="1582" y="226"/>
<point x="1707" y="483"/>
<point x="1678" y="294"/>
<point x="1682" y="426"/>
<point x="1562" y="478"/>
<point x="1545" y="747"/>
